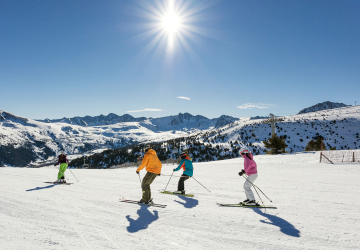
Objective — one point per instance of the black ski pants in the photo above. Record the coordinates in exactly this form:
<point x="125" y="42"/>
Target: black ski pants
<point x="145" y="185"/>
<point x="181" y="186"/>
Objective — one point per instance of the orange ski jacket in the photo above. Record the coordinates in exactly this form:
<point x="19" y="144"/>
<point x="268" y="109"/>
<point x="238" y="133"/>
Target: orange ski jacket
<point x="152" y="162"/>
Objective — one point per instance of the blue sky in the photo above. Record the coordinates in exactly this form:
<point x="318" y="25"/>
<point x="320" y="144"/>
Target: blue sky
<point x="240" y="58"/>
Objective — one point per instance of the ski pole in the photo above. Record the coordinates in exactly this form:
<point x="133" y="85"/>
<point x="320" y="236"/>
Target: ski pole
<point x="257" y="188"/>
<point x="139" y="177"/>
<point x="201" y="184"/>
<point x="169" y="180"/>
<point x="73" y="175"/>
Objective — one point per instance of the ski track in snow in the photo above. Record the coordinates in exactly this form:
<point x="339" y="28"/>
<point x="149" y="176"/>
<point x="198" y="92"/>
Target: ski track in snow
<point x="317" y="208"/>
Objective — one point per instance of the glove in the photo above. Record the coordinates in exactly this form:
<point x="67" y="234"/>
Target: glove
<point x="159" y="174"/>
<point x="174" y="170"/>
<point x="54" y="164"/>
<point x="137" y="172"/>
<point x="242" y="172"/>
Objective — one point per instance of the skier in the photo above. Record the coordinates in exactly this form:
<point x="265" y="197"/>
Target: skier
<point x="153" y="168"/>
<point x="250" y="169"/>
<point x="187" y="166"/>
<point x="63" y="161"/>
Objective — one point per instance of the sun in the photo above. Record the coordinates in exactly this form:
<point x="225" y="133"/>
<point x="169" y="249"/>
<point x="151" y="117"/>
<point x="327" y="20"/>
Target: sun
<point x="171" y="22"/>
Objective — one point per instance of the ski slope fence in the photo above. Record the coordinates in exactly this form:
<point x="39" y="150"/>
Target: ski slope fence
<point x="137" y="164"/>
<point x="338" y="156"/>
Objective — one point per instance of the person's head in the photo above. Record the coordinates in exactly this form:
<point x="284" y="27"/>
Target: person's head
<point x="147" y="147"/>
<point x="183" y="156"/>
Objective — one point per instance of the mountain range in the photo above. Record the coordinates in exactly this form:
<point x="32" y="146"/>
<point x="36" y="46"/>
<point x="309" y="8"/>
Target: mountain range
<point x="25" y="141"/>
<point x="177" y="122"/>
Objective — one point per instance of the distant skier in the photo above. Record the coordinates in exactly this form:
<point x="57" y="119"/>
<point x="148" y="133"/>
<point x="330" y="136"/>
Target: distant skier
<point x="250" y="169"/>
<point x="63" y="161"/>
<point x="186" y="165"/>
<point x="153" y="168"/>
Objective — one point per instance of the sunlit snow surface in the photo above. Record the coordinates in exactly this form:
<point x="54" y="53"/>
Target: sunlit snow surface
<point x="318" y="208"/>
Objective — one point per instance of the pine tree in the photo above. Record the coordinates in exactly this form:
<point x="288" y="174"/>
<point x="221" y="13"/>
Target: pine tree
<point x="276" y="144"/>
<point x="315" y="145"/>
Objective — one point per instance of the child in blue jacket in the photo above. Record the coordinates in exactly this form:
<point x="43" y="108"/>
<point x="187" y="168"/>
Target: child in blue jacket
<point x="186" y="165"/>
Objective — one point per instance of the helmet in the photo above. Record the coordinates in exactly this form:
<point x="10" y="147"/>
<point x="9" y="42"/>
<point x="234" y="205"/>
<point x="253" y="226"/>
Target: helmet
<point x="244" y="151"/>
<point x="183" y="154"/>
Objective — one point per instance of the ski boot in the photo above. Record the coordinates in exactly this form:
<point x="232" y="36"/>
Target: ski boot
<point x="244" y="202"/>
<point x="150" y="202"/>
<point x="252" y="203"/>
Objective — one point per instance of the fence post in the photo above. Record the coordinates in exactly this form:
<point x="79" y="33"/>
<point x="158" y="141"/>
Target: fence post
<point x="353" y="157"/>
<point x="320" y="156"/>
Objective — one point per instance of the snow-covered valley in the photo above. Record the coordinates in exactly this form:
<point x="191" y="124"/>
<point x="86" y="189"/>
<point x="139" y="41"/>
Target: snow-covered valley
<point x="317" y="208"/>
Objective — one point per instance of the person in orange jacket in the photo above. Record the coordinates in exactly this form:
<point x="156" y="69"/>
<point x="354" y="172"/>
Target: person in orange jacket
<point x="153" y="168"/>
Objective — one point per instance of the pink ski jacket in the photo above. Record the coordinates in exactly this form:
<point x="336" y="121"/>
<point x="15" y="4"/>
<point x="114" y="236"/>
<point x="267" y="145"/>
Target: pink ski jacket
<point x="249" y="165"/>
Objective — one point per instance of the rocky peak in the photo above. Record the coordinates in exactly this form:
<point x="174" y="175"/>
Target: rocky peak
<point x="323" y="106"/>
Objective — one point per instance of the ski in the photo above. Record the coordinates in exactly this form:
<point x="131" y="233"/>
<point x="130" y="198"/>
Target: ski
<point x="58" y="183"/>
<point x="168" y="192"/>
<point x="246" y="206"/>
<point x="137" y="202"/>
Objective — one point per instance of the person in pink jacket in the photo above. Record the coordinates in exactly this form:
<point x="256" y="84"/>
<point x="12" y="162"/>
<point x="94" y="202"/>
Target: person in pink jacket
<point x="250" y="169"/>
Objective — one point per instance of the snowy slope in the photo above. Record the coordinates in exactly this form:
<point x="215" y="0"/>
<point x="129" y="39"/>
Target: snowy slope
<point x="339" y="127"/>
<point x="317" y="208"/>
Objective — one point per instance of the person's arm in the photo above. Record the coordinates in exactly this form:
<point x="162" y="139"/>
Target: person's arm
<point x="178" y="168"/>
<point x="57" y="162"/>
<point x="143" y="163"/>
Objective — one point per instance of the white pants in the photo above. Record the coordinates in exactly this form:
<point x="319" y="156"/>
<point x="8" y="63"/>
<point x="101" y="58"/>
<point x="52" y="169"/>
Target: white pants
<point x="247" y="187"/>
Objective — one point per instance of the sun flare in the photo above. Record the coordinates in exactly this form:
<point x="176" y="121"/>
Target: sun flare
<point x="171" y="22"/>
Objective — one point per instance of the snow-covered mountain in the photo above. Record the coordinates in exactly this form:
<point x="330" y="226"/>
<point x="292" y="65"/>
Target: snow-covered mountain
<point x="322" y="106"/>
<point x="25" y="140"/>
<point x="177" y="122"/>
<point x="339" y="127"/>
<point x="96" y="120"/>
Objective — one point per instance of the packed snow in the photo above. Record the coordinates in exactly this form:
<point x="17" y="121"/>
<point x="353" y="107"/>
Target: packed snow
<point x="317" y="208"/>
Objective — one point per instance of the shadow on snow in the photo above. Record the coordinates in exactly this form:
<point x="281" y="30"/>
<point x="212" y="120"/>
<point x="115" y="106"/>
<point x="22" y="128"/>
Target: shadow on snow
<point x="189" y="202"/>
<point x="143" y="221"/>
<point x="39" y="188"/>
<point x="285" y="226"/>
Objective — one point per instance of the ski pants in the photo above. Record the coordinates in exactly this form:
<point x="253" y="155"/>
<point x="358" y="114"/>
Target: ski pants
<point x="247" y="186"/>
<point x="181" y="186"/>
<point x="63" y="167"/>
<point x="145" y="185"/>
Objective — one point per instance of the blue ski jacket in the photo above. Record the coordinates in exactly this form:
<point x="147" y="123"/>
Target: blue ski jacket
<point x="187" y="166"/>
